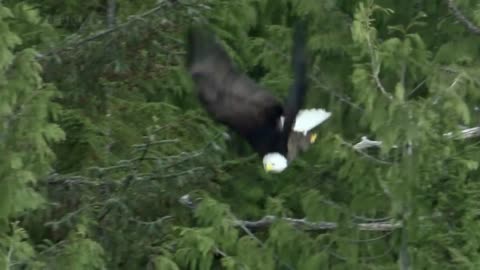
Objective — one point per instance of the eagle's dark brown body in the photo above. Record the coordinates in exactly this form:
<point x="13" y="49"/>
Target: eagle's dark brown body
<point x="235" y="100"/>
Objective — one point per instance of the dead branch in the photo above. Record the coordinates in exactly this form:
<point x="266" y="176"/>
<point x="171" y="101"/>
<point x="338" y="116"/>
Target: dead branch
<point x="366" y="143"/>
<point x="464" y="134"/>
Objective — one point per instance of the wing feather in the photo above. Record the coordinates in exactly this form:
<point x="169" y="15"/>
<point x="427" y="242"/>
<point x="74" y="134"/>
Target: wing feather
<point x="230" y="96"/>
<point x="298" y="90"/>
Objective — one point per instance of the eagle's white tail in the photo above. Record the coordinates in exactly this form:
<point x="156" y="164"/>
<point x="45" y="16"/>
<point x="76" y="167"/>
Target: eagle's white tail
<point x="308" y="119"/>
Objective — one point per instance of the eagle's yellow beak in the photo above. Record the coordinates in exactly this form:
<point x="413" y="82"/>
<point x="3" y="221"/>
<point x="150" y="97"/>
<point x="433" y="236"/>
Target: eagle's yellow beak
<point x="313" y="137"/>
<point x="268" y="167"/>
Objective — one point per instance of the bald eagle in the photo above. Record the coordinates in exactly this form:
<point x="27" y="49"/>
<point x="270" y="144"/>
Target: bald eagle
<point x="277" y="132"/>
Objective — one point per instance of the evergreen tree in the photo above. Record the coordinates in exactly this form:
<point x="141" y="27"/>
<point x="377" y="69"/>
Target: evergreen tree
<point x="144" y="179"/>
<point x="25" y="134"/>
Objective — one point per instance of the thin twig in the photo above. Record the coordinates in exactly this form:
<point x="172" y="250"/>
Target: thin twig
<point x="105" y="32"/>
<point x="375" y="66"/>
<point x="416" y="88"/>
<point x="462" y="18"/>
<point x="158" y="221"/>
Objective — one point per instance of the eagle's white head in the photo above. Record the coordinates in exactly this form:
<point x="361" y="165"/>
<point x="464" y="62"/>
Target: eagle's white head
<point x="274" y="162"/>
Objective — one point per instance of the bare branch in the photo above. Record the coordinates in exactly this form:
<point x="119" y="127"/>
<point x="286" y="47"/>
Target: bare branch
<point x="463" y="134"/>
<point x="301" y="224"/>
<point x="364" y="144"/>
<point x="462" y="18"/>
<point x="306" y="225"/>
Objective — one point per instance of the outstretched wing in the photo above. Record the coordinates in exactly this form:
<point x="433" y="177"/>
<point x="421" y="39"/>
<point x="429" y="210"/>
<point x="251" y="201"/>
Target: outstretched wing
<point x="296" y="96"/>
<point x="227" y="94"/>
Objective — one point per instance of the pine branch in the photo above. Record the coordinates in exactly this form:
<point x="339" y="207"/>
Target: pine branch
<point x="302" y="224"/>
<point x="342" y="98"/>
<point x="247" y="229"/>
<point x="105" y="32"/>
<point x="462" y="18"/>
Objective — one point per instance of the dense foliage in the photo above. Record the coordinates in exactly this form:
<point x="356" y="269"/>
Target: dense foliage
<point x="109" y="162"/>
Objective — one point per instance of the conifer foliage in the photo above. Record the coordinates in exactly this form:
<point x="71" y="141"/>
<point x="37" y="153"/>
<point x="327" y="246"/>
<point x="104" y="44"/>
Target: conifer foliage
<point x="109" y="162"/>
<point x="25" y="135"/>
